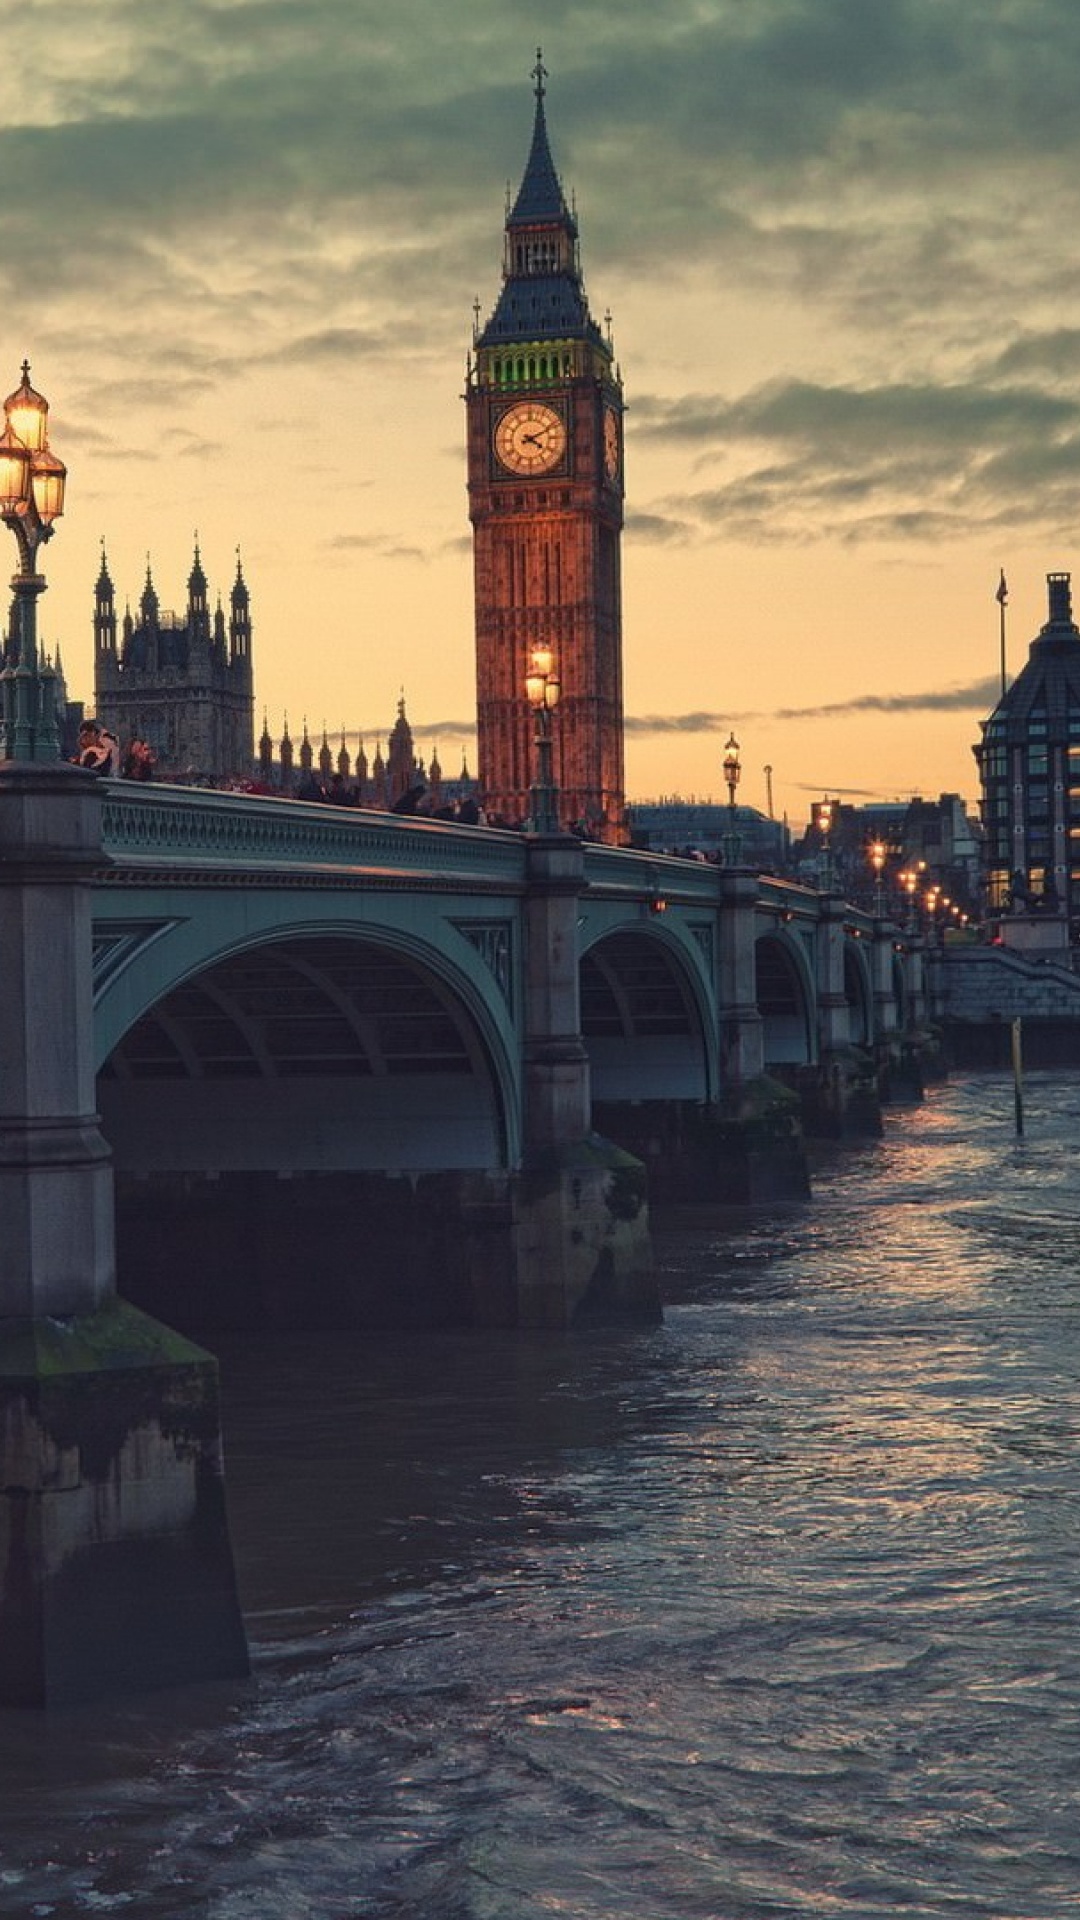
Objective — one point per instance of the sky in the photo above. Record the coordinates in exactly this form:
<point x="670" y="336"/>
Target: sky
<point x="241" y="242"/>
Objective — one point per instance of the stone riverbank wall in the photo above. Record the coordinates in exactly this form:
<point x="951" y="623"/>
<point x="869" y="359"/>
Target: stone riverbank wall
<point x="986" y="988"/>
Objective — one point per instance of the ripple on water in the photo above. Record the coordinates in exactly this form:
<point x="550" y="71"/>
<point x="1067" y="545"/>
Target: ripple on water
<point x="768" y="1612"/>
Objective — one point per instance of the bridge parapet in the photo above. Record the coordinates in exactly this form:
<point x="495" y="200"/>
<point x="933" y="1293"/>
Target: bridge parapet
<point x="247" y="834"/>
<point x="629" y="871"/>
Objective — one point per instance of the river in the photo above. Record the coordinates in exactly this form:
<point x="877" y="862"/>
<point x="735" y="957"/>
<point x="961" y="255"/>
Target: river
<point x="772" y="1610"/>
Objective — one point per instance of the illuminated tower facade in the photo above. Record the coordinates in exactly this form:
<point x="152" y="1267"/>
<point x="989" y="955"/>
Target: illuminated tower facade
<point x="545" y="464"/>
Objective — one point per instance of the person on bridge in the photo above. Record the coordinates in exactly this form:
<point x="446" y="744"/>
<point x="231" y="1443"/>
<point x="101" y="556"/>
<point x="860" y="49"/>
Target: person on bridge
<point x="138" y="762"/>
<point x="98" y="748"/>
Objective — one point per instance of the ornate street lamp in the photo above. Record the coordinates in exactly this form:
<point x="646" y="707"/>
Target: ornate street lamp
<point x="31" y="498"/>
<point x="543" y="690"/>
<point x="732" y="776"/>
<point x="825" y="820"/>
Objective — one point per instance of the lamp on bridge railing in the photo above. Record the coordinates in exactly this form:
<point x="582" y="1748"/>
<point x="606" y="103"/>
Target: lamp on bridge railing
<point x="877" y="854"/>
<point x="732" y="776"/>
<point x="543" y="690"/>
<point x="32" y="483"/>
<point x="825" y="821"/>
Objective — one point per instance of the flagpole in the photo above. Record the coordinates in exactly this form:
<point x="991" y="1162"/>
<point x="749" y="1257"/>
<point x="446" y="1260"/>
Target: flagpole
<point x="1002" y="598"/>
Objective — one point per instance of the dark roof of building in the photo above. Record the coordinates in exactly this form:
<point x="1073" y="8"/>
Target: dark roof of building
<point x="540" y="307"/>
<point x="1049" y="684"/>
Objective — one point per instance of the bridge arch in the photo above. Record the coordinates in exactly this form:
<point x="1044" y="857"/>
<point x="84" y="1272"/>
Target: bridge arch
<point x="325" y="1048"/>
<point x="858" y="991"/>
<point x="647" y="1027"/>
<point x="786" y="1000"/>
<point x="313" y="1126"/>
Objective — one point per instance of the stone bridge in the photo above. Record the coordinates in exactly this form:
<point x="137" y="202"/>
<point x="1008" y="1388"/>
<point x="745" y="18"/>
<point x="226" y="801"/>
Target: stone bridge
<point x="220" y="922"/>
<point x="273" y="1063"/>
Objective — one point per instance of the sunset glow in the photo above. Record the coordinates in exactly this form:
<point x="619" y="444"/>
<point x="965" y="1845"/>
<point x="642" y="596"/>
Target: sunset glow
<point x="241" y="248"/>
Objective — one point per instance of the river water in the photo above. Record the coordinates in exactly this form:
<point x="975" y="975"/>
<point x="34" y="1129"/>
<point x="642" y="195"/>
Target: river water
<point x="773" y="1610"/>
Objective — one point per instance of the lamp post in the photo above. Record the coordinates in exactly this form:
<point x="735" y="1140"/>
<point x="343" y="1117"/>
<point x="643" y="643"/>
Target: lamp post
<point x="732" y="776"/>
<point x="877" y="855"/>
<point x="543" y="690"/>
<point x="825" y="817"/>
<point x="31" y="499"/>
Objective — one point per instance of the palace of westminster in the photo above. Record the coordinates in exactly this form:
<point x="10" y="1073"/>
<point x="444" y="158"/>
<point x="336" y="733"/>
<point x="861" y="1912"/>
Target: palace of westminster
<point x="544" y="407"/>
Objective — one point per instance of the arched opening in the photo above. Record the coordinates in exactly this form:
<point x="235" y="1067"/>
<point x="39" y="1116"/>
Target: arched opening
<point x="293" y="1130"/>
<point x="648" y="1057"/>
<point x="784" y="1005"/>
<point x="859" y="995"/>
<point x="641" y="1027"/>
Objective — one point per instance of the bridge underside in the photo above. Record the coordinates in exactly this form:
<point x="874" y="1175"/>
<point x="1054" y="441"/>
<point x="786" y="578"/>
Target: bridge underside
<point x="641" y="1028"/>
<point x="313" y="1055"/>
<point x="297" y="1134"/>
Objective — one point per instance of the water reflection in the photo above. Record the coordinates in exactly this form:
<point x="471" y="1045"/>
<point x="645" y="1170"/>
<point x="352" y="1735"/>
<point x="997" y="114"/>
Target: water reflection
<point x="770" y="1610"/>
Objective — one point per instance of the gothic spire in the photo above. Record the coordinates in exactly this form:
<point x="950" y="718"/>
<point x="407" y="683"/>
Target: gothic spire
<point x="197" y="578"/>
<point x="542" y="295"/>
<point x="149" y="601"/>
<point x="540" y="195"/>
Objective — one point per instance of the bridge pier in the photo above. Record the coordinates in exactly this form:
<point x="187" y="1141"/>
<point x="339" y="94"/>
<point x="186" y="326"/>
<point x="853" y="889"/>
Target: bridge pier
<point x="840" y="1094"/>
<point x="743" y="1145"/>
<point x="754" y="1132"/>
<point x="115" y="1564"/>
<point x="581" y="1245"/>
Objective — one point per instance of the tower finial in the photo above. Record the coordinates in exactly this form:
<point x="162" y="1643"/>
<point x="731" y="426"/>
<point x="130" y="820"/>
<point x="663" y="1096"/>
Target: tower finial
<point x="539" y="73"/>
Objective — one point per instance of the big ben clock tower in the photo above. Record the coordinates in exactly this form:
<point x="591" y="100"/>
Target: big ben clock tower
<point x="545" y="460"/>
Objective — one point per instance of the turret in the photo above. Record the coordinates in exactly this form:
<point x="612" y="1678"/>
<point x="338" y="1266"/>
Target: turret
<point x="104" y="614"/>
<point x="197" y="608"/>
<point x="378" y="778"/>
<point x="240" y="618"/>
<point x="401" y="761"/>
<point x="266" y="754"/>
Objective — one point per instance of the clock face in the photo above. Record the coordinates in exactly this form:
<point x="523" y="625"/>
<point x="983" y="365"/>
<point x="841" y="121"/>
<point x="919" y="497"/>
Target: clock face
<point x="530" y="438"/>
<point x="611" y="443"/>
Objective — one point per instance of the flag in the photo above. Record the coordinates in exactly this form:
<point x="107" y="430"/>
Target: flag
<point x="1002" y="594"/>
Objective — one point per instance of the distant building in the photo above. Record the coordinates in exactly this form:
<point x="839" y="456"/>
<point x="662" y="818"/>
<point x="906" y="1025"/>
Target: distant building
<point x="310" y="772"/>
<point x="936" y="838"/>
<point x="1029" y="767"/>
<point x="183" y="683"/>
<point x="705" y="826"/>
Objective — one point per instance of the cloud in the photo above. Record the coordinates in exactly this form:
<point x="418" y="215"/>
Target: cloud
<point x="849" y="461"/>
<point x="384" y="546"/>
<point x="976" y="697"/>
<point x="657" y="529"/>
